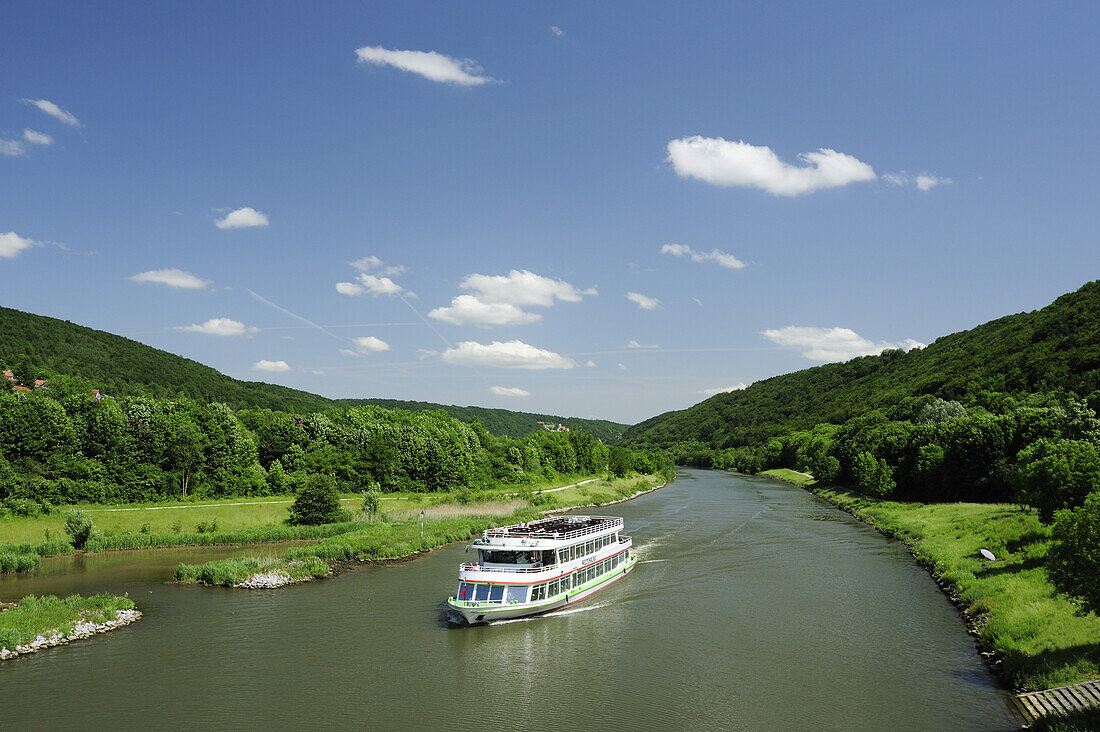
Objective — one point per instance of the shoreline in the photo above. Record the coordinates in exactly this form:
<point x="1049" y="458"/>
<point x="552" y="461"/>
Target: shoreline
<point x="974" y="622"/>
<point x="81" y="630"/>
<point x="341" y="567"/>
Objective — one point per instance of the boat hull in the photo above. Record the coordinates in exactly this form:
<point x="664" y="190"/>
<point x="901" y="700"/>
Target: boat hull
<point x="470" y="614"/>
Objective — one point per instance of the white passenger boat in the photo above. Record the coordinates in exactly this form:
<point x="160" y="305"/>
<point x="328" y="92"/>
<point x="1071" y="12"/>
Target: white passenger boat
<point x="540" y="566"/>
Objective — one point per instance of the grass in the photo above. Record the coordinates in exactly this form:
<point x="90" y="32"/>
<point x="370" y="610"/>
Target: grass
<point x="229" y="572"/>
<point x="34" y="616"/>
<point x="1040" y="638"/>
<point x="1084" y="720"/>
<point x="443" y="524"/>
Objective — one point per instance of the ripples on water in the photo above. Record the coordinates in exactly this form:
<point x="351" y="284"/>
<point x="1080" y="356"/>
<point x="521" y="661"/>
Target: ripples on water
<point x="755" y="606"/>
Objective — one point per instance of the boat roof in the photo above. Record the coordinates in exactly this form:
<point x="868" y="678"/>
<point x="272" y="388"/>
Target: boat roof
<point x="556" y="527"/>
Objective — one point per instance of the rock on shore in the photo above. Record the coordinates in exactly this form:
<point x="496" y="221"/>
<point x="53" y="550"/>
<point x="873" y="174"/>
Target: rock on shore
<point x="270" y="580"/>
<point x="82" y="629"/>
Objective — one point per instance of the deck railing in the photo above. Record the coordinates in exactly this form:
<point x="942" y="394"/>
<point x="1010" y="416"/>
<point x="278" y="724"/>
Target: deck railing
<point x="482" y="568"/>
<point x="531" y="532"/>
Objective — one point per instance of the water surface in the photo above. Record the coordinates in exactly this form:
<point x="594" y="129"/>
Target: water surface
<point x="757" y="606"/>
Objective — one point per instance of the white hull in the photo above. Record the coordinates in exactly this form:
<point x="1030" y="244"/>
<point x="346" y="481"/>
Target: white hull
<point x="472" y="614"/>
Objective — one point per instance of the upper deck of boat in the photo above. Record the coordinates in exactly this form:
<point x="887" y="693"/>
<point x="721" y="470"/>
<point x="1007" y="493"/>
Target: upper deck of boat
<point x="557" y="527"/>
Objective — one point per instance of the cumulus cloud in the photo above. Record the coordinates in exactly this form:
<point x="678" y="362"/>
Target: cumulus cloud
<point x="370" y="344"/>
<point x="697" y="301"/>
<point x="723" y="389"/>
<point x="11" y="244"/>
<point x="723" y="162"/>
<point x="591" y="364"/>
<point x="376" y="265"/>
<point x="557" y="31"/>
<point x="176" y="278"/>
<point x="469" y="310"/>
<point x="831" y="344"/>
<point x="349" y="288"/>
<point x="264" y="365"/>
<point x="373" y="278"/>
<point x="219" y="327"/>
<point x="429" y="64"/>
<point x="924" y="181"/>
<point x="506" y="355"/>
<point x="635" y="344"/>
<point x="242" y="218"/>
<point x="522" y="287"/>
<point x="54" y="111"/>
<point x="622" y="367"/>
<point x="717" y="256"/>
<point x="35" y="137"/>
<point x="642" y="301"/>
<point x="12" y="148"/>
<point x="509" y="391"/>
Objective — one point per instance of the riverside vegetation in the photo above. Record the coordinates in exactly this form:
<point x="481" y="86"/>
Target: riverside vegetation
<point x="51" y="617"/>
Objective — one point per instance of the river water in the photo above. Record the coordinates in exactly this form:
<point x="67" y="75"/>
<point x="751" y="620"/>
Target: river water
<point x="756" y="607"/>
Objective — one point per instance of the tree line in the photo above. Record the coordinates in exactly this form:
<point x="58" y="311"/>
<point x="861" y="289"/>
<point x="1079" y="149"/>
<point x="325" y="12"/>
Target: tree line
<point x="63" y="445"/>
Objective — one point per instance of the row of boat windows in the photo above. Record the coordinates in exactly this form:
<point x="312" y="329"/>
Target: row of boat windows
<point x="482" y="592"/>
<point x="569" y="553"/>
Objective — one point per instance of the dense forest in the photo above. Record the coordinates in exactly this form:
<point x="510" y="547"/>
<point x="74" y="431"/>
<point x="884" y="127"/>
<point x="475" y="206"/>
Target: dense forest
<point x="35" y="346"/>
<point x="65" y="445"/>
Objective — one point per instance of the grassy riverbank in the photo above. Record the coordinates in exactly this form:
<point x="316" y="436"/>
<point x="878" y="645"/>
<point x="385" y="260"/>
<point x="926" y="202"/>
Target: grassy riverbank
<point x="34" y="616"/>
<point x="1037" y="638"/>
<point x="257" y="521"/>
<point x="393" y="539"/>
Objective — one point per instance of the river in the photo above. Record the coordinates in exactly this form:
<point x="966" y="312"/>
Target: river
<point x="756" y="606"/>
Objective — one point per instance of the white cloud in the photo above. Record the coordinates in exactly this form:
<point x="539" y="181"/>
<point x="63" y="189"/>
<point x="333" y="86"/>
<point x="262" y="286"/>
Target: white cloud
<point x="380" y="285"/>
<point x="522" y="287"/>
<point x="622" y="367"/>
<point x="635" y="344"/>
<point x="370" y="344"/>
<point x="509" y="391"/>
<point x="557" y="31"/>
<point x="36" y="138"/>
<point x="722" y="259"/>
<point x="591" y="364"/>
<point x="349" y="288"/>
<point x="831" y="344"/>
<point x="723" y="162"/>
<point x="697" y="301"/>
<point x="429" y="64"/>
<point x="12" y="244"/>
<point x="317" y="372"/>
<point x="642" y="301"/>
<point x="928" y="182"/>
<point x="219" y="327"/>
<point x="509" y="355"/>
<point x="12" y="148"/>
<point x="265" y="365"/>
<point x="176" y="278"/>
<point x="469" y="310"/>
<point x="54" y="111"/>
<point x="723" y="389"/>
<point x="348" y="352"/>
<point x="367" y="264"/>
<point x="242" y="218"/>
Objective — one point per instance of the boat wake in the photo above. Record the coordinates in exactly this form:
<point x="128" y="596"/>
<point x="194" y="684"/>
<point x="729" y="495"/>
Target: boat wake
<point x="553" y="614"/>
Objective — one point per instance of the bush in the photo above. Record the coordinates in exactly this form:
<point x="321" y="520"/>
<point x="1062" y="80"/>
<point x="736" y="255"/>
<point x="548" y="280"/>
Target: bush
<point x="79" y="528"/>
<point x="317" y="502"/>
<point x="18" y="561"/>
<point x="372" y="500"/>
<point x="1073" y="561"/>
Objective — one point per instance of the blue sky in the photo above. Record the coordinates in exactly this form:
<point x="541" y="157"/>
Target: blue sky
<point x="591" y="211"/>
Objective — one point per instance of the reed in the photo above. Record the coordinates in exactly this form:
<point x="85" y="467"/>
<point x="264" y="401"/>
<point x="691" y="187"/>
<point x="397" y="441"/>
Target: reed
<point x="34" y="616"/>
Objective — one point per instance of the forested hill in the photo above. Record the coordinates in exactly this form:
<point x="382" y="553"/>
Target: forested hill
<point x="1057" y="347"/>
<point x="37" y="346"/>
<point x="502" y="422"/>
<point x="51" y="348"/>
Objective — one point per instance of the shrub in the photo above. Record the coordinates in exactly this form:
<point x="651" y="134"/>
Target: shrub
<point x="79" y="528"/>
<point x="1073" y="561"/>
<point x="317" y="502"/>
<point x="372" y="500"/>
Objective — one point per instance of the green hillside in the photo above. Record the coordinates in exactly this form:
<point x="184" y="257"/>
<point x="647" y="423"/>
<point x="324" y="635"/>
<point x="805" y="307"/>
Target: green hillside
<point x="39" y="346"/>
<point x="502" y="421"/>
<point x="1055" y="348"/>
<point x="50" y="347"/>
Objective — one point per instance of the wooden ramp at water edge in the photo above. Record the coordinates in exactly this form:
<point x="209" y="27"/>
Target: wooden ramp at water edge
<point x="1061" y="700"/>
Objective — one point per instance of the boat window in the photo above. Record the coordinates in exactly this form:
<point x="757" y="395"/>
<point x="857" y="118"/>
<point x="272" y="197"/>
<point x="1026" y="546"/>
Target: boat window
<point x="482" y="592"/>
<point x="489" y="556"/>
<point x="517" y="593"/>
<point x="538" y="592"/>
<point x="553" y="588"/>
<point x="496" y="593"/>
<point x="465" y="591"/>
